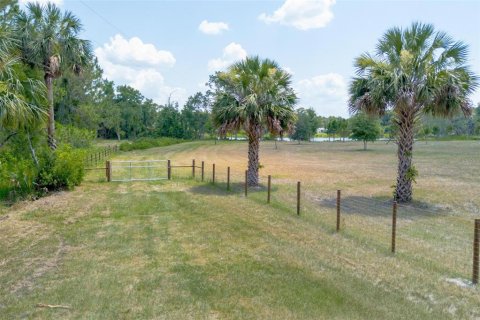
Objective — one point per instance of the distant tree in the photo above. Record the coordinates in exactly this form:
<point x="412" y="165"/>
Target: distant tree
<point x="50" y="41"/>
<point x="195" y="116"/>
<point x="332" y="127"/>
<point x="170" y="121"/>
<point x="364" y="128"/>
<point x="343" y="128"/>
<point x="414" y="71"/>
<point x="476" y="119"/>
<point x="305" y="126"/>
<point x="253" y="94"/>
<point x="130" y="102"/>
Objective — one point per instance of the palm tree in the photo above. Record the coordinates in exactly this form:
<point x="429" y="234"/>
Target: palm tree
<point x="413" y="71"/>
<point x="21" y="98"/>
<point x="255" y="95"/>
<point x="49" y="41"/>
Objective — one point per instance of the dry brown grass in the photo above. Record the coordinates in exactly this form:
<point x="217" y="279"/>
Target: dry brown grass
<point x="184" y="249"/>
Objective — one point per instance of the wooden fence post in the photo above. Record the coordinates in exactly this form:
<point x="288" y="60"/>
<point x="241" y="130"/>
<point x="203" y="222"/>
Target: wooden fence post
<point x="193" y="168"/>
<point x="476" y="240"/>
<point x="394" y="225"/>
<point x="269" y="186"/>
<point x="203" y="169"/>
<point x="213" y="173"/>
<point x="108" y="170"/>
<point x="246" y="183"/>
<point x="338" y="210"/>
<point x="298" y="198"/>
<point x="169" y="170"/>
<point x="228" y="178"/>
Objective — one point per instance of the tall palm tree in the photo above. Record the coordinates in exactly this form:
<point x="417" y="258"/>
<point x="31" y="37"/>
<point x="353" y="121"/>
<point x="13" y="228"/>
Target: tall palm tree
<point x="413" y="71"/>
<point x="49" y="41"/>
<point x="256" y="95"/>
<point x="21" y="98"/>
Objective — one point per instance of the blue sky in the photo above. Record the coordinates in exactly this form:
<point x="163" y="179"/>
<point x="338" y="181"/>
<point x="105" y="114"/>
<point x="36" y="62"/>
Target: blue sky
<point x="169" y="48"/>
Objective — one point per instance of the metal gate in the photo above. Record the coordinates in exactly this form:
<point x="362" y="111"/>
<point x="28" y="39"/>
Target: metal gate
<point x="138" y="170"/>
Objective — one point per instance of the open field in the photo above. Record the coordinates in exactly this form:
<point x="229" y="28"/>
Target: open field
<point x="184" y="249"/>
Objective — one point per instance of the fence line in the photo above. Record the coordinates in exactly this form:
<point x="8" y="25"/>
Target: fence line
<point x="397" y="228"/>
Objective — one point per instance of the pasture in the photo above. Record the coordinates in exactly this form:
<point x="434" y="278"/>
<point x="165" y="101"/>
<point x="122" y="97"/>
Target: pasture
<point x="183" y="248"/>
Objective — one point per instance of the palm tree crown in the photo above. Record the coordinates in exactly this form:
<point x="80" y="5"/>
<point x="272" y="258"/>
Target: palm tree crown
<point x="49" y="41"/>
<point x="21" y="98"/>
<point x="254" y="95"/>
<point x="413" y="71"/>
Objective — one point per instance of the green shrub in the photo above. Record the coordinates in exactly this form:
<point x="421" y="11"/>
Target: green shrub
<point x="76" y="137"/>
<point x="16" y="175"/>
<point x="146" y="143"/>
<point x="60" y="169"/>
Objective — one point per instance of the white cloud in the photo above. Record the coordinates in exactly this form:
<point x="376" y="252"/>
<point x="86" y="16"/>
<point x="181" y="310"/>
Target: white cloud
<point x="326" y="93"/>
<point x="231" y="53"/>
<point x="137" y="64"/>
<point x="213" y="27"/>
<point x="43" y="2"/>
<point x="133" y="50"/>
<point x="302" y="14"/>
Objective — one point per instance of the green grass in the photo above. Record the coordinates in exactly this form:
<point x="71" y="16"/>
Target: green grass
<point x="185" y="249"/>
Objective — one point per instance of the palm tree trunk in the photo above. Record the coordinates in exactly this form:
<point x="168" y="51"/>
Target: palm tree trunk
<point x="51" y="113"/>
<point x="406" y="121"/>
<point x="253" y="155"/>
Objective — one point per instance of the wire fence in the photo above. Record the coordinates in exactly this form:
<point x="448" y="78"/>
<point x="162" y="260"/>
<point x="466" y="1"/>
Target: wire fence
<point x="435" y="237"/>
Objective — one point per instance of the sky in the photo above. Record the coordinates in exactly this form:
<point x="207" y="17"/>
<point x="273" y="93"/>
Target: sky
<point x="169" y="48"/>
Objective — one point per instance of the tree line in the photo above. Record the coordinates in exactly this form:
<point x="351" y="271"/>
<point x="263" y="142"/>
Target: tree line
<point x="54" y="100"/>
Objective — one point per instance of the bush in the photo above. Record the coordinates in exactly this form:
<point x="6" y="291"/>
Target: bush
<point x="16" y="176"/>
<point x="146" y="143"/>
<point x="60" y="169"/>
<point x="76" y="137"/>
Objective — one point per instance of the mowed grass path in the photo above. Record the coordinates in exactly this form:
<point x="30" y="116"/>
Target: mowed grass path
<point x="184" y="249"/>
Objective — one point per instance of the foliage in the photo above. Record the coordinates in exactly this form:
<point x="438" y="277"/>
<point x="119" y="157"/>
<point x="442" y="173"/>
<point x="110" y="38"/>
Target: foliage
<point x="17" y="175"/>
<point x="254" y="95"/>
<point x="414" y="71"/>
<point x="364" y="128"/>
<point x="306" y="125"/>
<point x="60" y="169"/>
<point x="76" y="137"/>
<point x="49" y="41"/>
<point x="21" y="97"/>
<point x="147" y="143"/>
<point x="22" y="176"/>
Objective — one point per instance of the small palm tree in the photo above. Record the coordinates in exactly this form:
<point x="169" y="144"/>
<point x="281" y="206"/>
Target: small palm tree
<point x="254" y="95"/>
<point x="416" y="70"/>
<point x="20" y="97"/>
<point x="49" y="41"/>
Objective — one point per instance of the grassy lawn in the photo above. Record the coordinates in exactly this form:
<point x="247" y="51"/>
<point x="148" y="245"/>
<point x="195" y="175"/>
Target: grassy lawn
<point x="185" y="249"/>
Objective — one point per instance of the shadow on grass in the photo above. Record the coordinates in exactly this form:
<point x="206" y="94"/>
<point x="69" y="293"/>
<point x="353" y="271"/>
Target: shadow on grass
<point x="383" y="207"/>
<point x="220" y="188"/>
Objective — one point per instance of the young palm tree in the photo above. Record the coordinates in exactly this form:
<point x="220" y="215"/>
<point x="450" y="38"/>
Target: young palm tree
<point x="413" y="71"/>
<point x="49" y="41"/>
<point x="255" y="95"/>
<point x="20" y="97"/>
